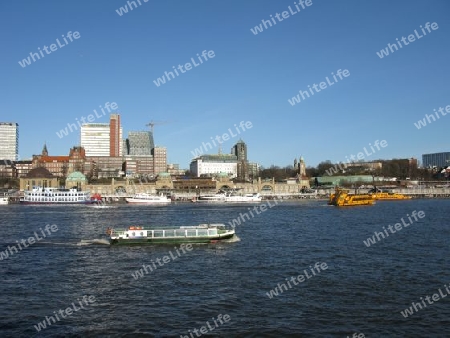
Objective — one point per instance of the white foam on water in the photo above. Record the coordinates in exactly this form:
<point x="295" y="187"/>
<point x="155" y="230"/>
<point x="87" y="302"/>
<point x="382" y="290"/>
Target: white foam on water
<point x="233" y="239"/>
<point x="93" y="241"/>
<point x="103" y="206"/>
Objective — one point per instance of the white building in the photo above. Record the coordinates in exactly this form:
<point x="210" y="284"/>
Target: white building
<point x="212" y="165"/>
<point x="9" y="141"/>
<point x="95" y="139"/>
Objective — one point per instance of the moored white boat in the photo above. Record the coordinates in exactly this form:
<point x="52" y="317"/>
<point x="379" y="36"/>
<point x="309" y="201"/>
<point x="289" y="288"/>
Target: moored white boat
<point x="216" y="198"/>
<point x="233" y="197"/>
<point x="4" y="200"/>
<point x="144" y="198"/>
<point x="202" y="233"/>
<point x="40" y="195"/>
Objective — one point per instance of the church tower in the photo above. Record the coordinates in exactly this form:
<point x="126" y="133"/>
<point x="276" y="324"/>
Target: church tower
<point x="44" y="150"/>
<point x="302" y="167"/>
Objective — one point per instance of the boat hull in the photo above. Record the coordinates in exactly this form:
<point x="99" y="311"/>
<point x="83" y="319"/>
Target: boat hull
<point x="243" y="200"/>
<point x="143" y="201"/>
<point x="209" y="201"/>
<point x="390" y="197"/>
<point x="145" y="198"/>
<point x="248" y="198"/>
<point x="56" y="203"/>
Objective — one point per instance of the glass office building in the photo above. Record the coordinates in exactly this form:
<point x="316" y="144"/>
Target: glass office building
<point x="436" y="160"/>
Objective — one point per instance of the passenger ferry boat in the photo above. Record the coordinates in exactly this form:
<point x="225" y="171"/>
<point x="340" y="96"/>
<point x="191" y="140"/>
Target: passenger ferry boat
<point x="216" y="198"/>
<point x="144" y="198"/>
<point x="388" y="196"/>
<point x="342" y="198"/>
<point x="234" y="197"/>
<point x="202" y="233"/>
<point x="231" y="196"/>
<point x="40" y="195"/>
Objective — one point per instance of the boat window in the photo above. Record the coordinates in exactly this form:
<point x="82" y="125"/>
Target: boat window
<point x="202" y="232"/>
<point x="158" y="233"/>
<point x="179" y="233"/>
<point x="169" y="233"/>
<point x="191" y="232"/>
<point x="213" y="232"/>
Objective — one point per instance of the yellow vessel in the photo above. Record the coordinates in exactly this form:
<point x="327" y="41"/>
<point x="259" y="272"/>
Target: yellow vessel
<point x="342" y="198"/>
<point x="390" y="196"/>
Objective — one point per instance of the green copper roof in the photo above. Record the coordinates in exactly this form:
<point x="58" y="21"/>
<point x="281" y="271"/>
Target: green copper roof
<point x="76" y="176"/>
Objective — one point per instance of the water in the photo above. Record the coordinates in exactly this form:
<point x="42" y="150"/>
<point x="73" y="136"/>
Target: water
<point x="362" y="291"/>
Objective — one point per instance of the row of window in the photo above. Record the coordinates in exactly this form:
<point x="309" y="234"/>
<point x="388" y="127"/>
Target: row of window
<point x="57" y="194"/>
<point x="55" y="199"/>
<point x="177" y="233"/>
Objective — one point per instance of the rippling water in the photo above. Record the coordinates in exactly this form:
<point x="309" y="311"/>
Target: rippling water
<point x="362" y="291"/>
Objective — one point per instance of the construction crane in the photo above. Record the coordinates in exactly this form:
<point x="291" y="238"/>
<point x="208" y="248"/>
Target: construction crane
<point x="152" y="123"/>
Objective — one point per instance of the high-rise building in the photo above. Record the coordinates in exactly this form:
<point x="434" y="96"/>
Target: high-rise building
<point x="141" y="155"/>
<point x="9" y="141"/>
<point x="95" y="139"/>
<point x="102" y="139"/>
<point x="159" y="160"/>
<point x="140" y="143"/>
<point x="115" y="136"/>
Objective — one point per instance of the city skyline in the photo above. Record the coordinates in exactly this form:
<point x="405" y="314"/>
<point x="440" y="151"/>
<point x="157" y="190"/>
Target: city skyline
<point x="203" y="150"/>
<point x="352" y="80"/>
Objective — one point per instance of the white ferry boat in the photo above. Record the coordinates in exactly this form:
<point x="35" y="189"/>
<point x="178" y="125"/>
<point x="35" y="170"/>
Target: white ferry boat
<point x="216" y="198"/>
<point x="145" y="198"/>
<point x="202" y="233"/>
<point x="40" y="195"/>
<point x="233" y="197"/>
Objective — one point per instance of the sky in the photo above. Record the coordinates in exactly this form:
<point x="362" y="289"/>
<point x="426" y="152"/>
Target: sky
<point x="118" y="58"/>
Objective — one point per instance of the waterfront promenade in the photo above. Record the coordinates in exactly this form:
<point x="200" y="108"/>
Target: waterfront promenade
<point x="315" y="194"/>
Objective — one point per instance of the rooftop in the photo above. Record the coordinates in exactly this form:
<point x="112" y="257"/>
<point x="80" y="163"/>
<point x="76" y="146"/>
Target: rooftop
<point x="39" y="173"/>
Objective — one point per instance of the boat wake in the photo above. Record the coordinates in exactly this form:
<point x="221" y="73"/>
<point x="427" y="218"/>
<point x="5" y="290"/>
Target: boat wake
<point x="100" y="241"/>
<point x="233" y="239"/>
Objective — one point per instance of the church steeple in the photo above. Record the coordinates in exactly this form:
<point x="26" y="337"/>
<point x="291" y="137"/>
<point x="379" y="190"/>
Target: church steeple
<point x="302" y="167"/>
<point x="44" y="150"/>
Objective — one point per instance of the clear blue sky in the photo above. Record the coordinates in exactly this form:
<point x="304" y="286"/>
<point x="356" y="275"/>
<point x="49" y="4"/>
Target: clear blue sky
<point x="250" y="78"/>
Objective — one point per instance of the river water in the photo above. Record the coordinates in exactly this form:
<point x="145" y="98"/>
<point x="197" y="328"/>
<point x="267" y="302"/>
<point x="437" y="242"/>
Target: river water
<point x="362" y="289"/>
